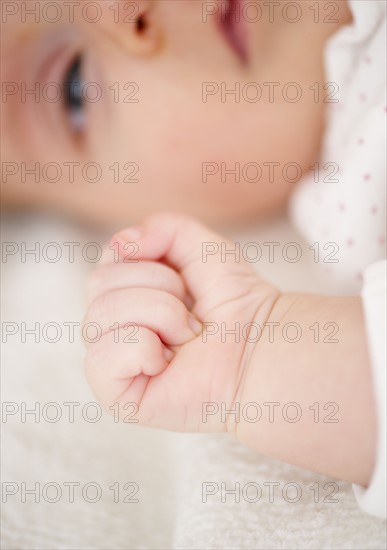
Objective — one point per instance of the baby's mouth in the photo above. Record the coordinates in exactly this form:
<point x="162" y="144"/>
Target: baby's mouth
<point x="233" y="26"/>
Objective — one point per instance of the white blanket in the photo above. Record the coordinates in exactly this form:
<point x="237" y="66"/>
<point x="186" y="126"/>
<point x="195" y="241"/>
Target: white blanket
<point x="167" y="470"/>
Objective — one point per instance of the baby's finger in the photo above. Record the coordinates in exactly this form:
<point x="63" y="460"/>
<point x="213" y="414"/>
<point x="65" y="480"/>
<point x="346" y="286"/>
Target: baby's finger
<point x="203" y="257"/>
<point x="140" y="275"/>
<point x="118" y="356"/>
<point x="159" y="311"/>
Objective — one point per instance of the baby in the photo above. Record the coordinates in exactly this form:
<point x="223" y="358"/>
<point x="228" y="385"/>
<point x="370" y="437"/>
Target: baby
<point x="162" y="104"/>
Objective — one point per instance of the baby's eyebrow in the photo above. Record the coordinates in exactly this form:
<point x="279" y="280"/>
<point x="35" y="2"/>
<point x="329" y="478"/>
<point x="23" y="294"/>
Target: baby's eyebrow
<point x="15" y="30"/>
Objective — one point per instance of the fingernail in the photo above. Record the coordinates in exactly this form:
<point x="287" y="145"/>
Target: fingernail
<point x="195" y="324"/>
<point x="168" y="354"/>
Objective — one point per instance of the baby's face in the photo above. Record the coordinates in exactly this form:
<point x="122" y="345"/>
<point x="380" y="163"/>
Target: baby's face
<point x="153" y="114"/>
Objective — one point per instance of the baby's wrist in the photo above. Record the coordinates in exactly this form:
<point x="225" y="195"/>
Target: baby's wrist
<point x="253" y="335"/>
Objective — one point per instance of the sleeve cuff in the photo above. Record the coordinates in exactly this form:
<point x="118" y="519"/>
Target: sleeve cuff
<point x="373" y="498"/>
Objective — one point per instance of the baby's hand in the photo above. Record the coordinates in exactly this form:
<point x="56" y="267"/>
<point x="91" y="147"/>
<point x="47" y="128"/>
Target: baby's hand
<point x="162" y="347"/>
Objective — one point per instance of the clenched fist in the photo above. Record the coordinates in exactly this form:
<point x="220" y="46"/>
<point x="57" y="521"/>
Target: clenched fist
<point x="165" y="283"/>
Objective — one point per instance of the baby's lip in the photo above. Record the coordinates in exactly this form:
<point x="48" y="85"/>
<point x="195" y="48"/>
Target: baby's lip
<point x="230" y="20"/>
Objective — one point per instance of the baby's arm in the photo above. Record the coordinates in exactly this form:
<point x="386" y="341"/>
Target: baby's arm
<point x="327" y="374"/>
<point x="323" y="380"/>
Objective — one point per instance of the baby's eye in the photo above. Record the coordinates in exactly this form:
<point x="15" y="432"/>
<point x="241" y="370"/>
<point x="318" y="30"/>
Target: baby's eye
<point x="73" y="96"/>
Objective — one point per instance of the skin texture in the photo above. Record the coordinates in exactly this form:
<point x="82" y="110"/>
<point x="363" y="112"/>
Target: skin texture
<point x="170" y="132"/>
<point x="175" y="370"/>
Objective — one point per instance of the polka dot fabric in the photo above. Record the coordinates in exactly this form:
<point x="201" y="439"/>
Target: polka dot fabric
<point x="347" y="205"/>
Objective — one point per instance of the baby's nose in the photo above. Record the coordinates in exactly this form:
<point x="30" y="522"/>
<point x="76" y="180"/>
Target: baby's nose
<point x="132" y="26"/>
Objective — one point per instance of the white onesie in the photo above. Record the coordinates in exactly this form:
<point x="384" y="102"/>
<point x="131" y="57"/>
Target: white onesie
<point x="351" y="211"/>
